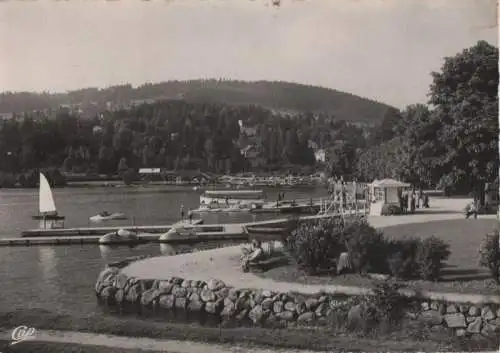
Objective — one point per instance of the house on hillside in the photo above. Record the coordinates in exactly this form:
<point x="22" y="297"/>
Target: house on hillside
<point x="320" y="156"/>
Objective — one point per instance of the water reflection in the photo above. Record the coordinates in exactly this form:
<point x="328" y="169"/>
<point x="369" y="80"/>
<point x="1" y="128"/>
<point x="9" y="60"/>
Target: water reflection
<point x="47" y="261"/>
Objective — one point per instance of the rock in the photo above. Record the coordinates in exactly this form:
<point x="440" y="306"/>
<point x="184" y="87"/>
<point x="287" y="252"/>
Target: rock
<point x="229" y="309"/>
<point x="464" y="308"/>
<point x="176" y="281"/>
<point x="435" y="306"/>
<point x="322" y="299"/>
<point x="355" y="316"/>
<point x="257" y="314"/>
<point x="474" y="311"/>
<point x="306" y="318"/>
<point x="267" y="304"/>
<point x="180" y="303"/>
<point x="278" y="307"/>
<point x="119" y="296"/>
<point x="460" y="332"/>
<point x="195" y="306"/>
<point x="267" y="294"/>
<point x="165" y="287"/>
<point x="442" y="308"/>
<point x="475" y="326"/>
<point x="179" y="292"/>
<point x="194" y="297"/>
<point x="300" y="308"/>
<point x="489" y="330"/>
<point x="148" y="297"/>
<point x="286" y="315"/>
<point x="214" y="307"/>
<point x="321" y="310"/>
<point x="166" y="301"/>
<point x="451" y="309"/>
<point x="242" y="315"/>
<point x="215" y="285"/>
<point x="311" y="303"/>
<point x="488" y="314"/>
<point x="242" y="303"/>
<point x="258" y="298"/>
<point x="470" y="319"/>
<point x="495" y="322"/>
<point x="186" y="283"/>
<point x="233" y="294"/>
<point x="222" y="293"/>
<point x="284" y="297"/>
<point x="498" y="312"/>
<point x="208" y="296"/>
<point x="290" y="306"/>
<point x="456" y="320"/>
<point x="431" y="318"/>
<point x="148" y="284"/>
<point x="425" y="306"/>
<point x="133" y="294"/>
<point x="108" y="293"/>
<point x="120" y="281"/>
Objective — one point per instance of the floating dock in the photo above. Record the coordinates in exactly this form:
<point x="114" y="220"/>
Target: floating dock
<point x="89" y="231"/>
<point x="204" y="233"/>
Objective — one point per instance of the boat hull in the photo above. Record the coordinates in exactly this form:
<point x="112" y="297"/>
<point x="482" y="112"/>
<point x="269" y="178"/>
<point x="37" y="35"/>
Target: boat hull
<point x="113" y="217"/>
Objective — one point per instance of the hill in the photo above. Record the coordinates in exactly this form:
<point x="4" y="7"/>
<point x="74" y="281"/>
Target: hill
<point x="278" y="96"/>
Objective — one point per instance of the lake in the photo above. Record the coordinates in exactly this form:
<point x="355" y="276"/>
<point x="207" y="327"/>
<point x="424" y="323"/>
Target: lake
<point x="62" y="278"/>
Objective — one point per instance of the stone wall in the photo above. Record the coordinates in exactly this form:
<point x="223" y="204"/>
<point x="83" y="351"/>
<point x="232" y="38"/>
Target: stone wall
<point x="217" y="303"/>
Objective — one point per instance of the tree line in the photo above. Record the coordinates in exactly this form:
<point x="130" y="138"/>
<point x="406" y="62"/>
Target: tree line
<point x="451" y="142"/>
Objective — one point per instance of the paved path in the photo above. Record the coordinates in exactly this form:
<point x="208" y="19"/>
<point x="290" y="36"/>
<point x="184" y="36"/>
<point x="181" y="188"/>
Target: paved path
<point x="158" y="345"/>
<point x="224" y="263"/>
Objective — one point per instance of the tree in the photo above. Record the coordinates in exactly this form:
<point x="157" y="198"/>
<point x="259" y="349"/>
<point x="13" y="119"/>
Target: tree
<point x="465" y="97"/>
<point x="341" y="159"/>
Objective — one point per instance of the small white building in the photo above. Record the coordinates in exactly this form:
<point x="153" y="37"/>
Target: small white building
<point x="385" y="192"/>
<point x="320" y="156"/>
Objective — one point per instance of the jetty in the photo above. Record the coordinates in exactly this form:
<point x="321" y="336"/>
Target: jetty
<point x="204" y="233"/>
<point x="98" y="231"/>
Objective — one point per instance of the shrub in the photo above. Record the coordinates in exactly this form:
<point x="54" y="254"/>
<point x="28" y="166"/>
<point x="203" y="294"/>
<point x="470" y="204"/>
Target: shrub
<point x="316" y="246"/>
<point x="367" y="246"/>
<point x="402" y="258"/>
<point x="431" y="252"/>
<point x="388" y="303"/>
<point x="391" y="210"/>
<point x="489" y="253"/>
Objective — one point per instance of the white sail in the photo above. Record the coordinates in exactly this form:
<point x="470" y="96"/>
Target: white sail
<point x="46" y="200"/>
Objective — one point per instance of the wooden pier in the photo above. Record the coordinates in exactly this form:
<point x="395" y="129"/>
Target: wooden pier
<point x="90" y="231"/>
<point x="204" y="233"/>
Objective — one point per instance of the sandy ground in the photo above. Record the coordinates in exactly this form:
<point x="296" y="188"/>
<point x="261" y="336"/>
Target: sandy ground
<point x="119" y="342"/>
<point x="224" y="263"/>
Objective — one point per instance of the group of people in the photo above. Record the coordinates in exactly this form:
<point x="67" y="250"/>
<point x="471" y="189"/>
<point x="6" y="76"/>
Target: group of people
<point x="410" y="200"/>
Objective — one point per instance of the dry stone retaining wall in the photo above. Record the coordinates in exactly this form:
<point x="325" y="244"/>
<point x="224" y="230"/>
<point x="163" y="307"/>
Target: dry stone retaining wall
<point x="215" y="302"/>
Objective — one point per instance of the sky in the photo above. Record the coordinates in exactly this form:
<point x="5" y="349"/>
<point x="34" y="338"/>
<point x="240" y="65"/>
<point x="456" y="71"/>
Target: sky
<point x="380" y="49"/>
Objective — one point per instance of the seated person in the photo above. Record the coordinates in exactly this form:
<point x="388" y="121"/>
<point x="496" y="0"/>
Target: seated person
<point x="471" y="209"/>
<point x="255" y="253"/>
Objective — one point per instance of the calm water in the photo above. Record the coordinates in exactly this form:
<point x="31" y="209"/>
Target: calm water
<point x="61" y="278"/>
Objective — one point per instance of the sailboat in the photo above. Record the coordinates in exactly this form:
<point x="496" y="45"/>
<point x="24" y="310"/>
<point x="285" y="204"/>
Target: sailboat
<point x="46" y="206"/>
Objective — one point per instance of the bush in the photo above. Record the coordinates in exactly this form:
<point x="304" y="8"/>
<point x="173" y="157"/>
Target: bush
<point x="388" y="303"/>
<point x="367" y="246"/>
<point x="391" y="210"/>
<point x="402" y="256"/>
<point x="431" y="252"/>
<point x="316" y="246"/>
<point x="489" y="253"/>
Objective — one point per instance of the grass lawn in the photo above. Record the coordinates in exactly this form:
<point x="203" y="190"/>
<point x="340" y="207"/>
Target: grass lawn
<point x="462" y="274"/>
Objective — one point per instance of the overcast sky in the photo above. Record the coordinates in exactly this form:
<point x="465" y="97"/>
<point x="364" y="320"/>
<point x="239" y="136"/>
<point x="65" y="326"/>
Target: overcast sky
<point x="383" y="50"/>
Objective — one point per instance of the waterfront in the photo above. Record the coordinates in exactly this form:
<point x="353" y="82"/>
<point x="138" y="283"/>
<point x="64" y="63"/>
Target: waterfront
<point x="61" y="278"/>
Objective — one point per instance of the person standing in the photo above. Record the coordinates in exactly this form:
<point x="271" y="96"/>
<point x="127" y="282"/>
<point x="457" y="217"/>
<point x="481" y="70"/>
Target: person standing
<point x="182" y="212"/>
<point x="190" y="216"/>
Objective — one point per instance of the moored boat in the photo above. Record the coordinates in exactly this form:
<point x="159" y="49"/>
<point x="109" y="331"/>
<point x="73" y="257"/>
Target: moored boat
<point x="106" y="216"/>
<point x="232" y="197"/>
<point x="47" y="211"/>
<point x="120" y="236"/>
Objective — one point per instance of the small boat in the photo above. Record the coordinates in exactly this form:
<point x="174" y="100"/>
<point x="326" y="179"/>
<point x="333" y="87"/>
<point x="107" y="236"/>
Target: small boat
<point x="178" y="232"/>
<point x="47" y="211"/>
<point x="106" y="216"/>
<point x="231" y="197"/>
<point x="118" y="237"/>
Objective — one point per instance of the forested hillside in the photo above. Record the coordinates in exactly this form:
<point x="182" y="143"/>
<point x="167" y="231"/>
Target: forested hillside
<point x="280" y="96"/>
